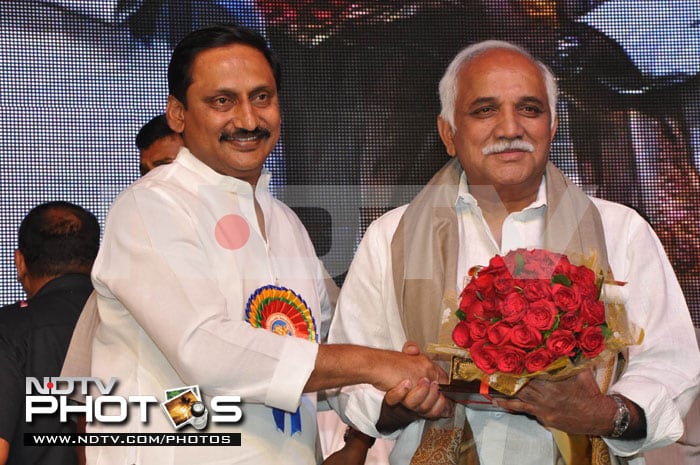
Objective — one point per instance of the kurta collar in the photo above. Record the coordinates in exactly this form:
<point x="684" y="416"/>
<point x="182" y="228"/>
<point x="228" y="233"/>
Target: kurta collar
<point x="227" y="183"/>
<point x="465" y="198"/>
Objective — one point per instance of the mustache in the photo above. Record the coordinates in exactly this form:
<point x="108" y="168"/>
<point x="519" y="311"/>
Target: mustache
<point x="238" y="134"/>
<point x="508" y="144"/>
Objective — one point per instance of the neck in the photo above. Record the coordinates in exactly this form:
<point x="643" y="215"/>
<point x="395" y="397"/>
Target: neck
<point x="504" y="200"/>
<point x="33" y="284"/>
<point x="497" y="203"/>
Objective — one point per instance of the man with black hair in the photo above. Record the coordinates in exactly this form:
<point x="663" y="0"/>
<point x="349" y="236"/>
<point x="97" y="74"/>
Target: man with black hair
<point x="157" y="144"/>
<point x="194" y="252"/>
<point x="58" y="243"/>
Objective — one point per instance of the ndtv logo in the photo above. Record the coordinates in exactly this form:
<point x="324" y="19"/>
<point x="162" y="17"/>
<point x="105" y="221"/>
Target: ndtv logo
<point x="50" y="395"/>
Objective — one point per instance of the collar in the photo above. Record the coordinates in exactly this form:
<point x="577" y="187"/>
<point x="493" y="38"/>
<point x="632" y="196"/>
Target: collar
<point x="66" y="281"/>
<point x="186" y="159"/>
<point x="464" y="198"/>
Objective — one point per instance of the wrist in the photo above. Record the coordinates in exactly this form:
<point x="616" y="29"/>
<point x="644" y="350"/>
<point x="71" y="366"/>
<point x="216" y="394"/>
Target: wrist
<point x="394" y="417"/>
<point x="621" y="419"/>
<point x="352" y="435"/>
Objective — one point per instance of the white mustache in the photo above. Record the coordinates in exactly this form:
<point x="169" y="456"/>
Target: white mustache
<point x="505" y="145"/>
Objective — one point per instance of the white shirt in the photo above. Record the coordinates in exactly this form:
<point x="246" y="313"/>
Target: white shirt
<point x="663" y="373"/>
<point x="181" y="255"/>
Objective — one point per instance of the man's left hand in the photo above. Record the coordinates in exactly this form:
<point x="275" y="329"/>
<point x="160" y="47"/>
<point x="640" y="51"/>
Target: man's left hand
<point x="573" y="405"/>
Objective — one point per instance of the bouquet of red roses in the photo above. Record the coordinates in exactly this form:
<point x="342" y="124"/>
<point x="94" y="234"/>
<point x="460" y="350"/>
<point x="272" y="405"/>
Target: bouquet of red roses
<point x="533" y="312"/>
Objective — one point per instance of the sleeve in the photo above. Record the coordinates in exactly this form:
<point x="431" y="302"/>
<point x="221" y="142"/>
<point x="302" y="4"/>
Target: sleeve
<point x="367" y="315"/>
<point x="154" y="268"/>
<point x="12" y="384"/>
<point x="79" y="354"/>
<point x="663" y="372"/>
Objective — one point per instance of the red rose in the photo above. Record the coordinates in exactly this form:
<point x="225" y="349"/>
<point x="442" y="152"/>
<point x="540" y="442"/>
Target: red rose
<point x="497" y="262"/>
<point x="478" y="329"/>
<point x="503" y="283"/>
<point x="593" y="312"/>
<point x="484" y="356"/>
<point x="541" y="264"/>
<point x="470" y="297"/>
<point x="592" y="341"/>
<point x="489" y="308"/>
<point x="510" y="359"/>
<point x="470" y="303"/>
<point x="525" y="336"/>
<point x="499" y="333"/>
<point x="483" y="282"/>
<point x="541" y="315"/>
<point x="537" y="289"/>
<point x="583" y="276"/>
<point x="564" y="266"/>
<point x="513" y="307"/>
<point x="571" y="321"/>
<point x="562" y="343"/>
<point x="476" y="309"/>
<point x="460" y="335"/>
<point x="566" y="298"/>
<point x="538" y="359"/>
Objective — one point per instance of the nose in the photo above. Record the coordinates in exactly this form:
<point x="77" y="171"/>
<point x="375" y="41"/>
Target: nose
<point x="509" y="125"/>
<point x="245" y="117"/>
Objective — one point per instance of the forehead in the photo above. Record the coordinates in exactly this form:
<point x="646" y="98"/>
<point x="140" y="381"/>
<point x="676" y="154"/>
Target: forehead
<point x="231" y="65"/>
<point x="500" y="74"/>
<point x="165" y="147"/>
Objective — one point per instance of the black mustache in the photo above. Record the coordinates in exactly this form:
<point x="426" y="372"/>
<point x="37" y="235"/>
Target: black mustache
<point x="258" y="133"/>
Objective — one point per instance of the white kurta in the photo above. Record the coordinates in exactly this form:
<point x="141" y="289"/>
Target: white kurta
<point x="663" y="373"/>
<point x="182" y="253"/>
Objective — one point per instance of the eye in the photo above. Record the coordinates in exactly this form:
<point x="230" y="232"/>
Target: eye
<point x="483" y="112"/>
<point x="221" y="103"/>
<point x="531" y="110"/>
<point x="261" y="99"/>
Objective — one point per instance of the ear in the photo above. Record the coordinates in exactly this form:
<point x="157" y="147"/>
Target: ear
<point x="21" y="265"/>
<point x="175" y="113"/>
<point x="447" y="135"/>
<point x="22" y="274"/>
<point x="554" y="128"/>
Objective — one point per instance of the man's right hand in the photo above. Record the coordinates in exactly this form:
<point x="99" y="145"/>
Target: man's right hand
<point x="407" y="401"/>
<point x="344" y="364"/>
<point x="408" y="368"/>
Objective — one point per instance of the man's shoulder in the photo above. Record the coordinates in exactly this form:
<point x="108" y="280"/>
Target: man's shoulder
<point x="381" y="231"/>
<point x="13" y="316"/>
<point x="15" y="326"/>
<point x="389" y="221"/>
<point x="623" y="225"/>
<point x="614" y="211"/>
<point x="20" y="304"/>
<point x="60" y="301"/>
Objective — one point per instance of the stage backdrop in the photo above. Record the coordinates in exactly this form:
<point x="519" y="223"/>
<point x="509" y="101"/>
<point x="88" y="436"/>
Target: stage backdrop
<point x="359" y="96"/>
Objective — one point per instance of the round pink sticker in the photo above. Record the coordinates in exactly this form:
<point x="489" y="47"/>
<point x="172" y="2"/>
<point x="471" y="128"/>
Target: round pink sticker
<point x="232" y="232"/>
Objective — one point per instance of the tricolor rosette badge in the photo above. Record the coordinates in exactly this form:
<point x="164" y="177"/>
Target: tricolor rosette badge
<point x="281" y="311"/>
<point x="284" y="312"/>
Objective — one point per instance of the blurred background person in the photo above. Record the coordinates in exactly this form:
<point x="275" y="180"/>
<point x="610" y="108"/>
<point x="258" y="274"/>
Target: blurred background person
<point x="57" y="245"/>
<point x="157" y="144"/>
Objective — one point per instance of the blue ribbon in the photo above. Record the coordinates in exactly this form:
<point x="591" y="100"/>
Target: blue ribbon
<point x="295" y="420"/>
